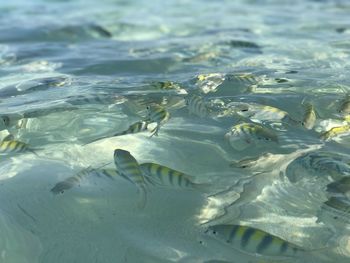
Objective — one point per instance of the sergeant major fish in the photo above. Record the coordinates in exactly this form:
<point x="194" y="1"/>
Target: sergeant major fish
<point x="136" y="127"/>
<point x="254" y="241"/>
<point x="197" y="106"/>
<point x="161" y="175"/>
<point x="310" y="117"/>
<point x="12" y="146"/>
<point x="72" y="181"/>
<point x="335" y="131"/>
<point x="128" y="167"/>
<point x="157" y="114"/>
<point x="249" y="132"/>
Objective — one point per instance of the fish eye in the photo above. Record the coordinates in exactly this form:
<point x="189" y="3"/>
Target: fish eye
<point x="267" y="139"/>
<point x="214" y="232"/>
<point x="335" y="217"/>
<point x="244" y="110"/>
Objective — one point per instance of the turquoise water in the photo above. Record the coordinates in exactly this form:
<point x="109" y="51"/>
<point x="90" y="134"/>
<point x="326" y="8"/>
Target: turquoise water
<point x="75" y="75"/>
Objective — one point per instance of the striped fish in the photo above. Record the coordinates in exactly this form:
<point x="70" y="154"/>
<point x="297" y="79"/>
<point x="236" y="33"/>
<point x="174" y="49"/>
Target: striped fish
<point x="165" y="85"/>
<point x="338" y="208"/>
<point x="72" y="181"/>
<point x="319" y="163"/>
<point x="209" y="82"/>
<point x="251" y="131"/>
<point x="12" y="146"/>
<point x="335" y="131"/>
<point x="344" y="107"/>
<point x="258" y="112"/>
<point x="137" y="127"/>
<point x="128" y="167"/>
<point x="197" y="106"/>
<point x="254" y="241"/>
<point x="243" y="78"/>
<point x="310" y="117"/>
<point x="157" y="114"/>
<point x="341" y="186"/>
<point x="161" y="175"/>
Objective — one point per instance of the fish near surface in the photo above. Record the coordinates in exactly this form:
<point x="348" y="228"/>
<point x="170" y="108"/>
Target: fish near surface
<point x="128" y="167"/>
<point x="197" y="106"/>
<point x="309" y="118"/>
<point x="157" y="114"/>
<point x="254" y="241"/>
<point x="248" y="133"/>
<point x="335" y="131"/>
<point x="344" y="107"/>
<point x="164" y="176"/>
<point x="12" y="146"/>
<point x="72" y="181"/>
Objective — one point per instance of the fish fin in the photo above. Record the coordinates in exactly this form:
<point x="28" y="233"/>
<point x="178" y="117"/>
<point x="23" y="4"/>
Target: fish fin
<point x="142" y="192"/>
<point x="155" y="131"/>
<point x="9" y="137"/>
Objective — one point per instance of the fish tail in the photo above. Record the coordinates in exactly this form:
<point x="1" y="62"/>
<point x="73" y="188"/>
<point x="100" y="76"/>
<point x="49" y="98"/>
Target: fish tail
<point x="203" y="187"/>
<point x="142" y="192"/>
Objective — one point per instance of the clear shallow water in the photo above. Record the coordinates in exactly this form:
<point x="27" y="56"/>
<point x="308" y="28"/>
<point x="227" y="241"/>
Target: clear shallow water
<point x="73" y="72"/>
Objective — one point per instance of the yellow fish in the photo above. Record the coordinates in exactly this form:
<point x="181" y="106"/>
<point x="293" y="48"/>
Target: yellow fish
<point x="335" y="131"/>
<point x="254" y="241"/>
<point x="164" y="176"/>
<point x="157" y="114"/>
<point x="11" y="146"/>
<point x="128" y="167"/>
<point x="252" y="131"/>
<point x="310" y="117"/>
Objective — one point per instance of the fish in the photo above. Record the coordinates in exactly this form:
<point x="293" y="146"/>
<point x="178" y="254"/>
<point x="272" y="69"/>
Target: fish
<point x="209" y="82"/>
<point x="344" y="107"/>
<point x="157" y="114"/>
<point x="243" y="78"/>
<point x="335" y="131"/>
<point x="249" y="131"/>
<point x="248" y="162"/>
<point x="318" y="163"/>
<point x="12" y="146"/>
<point x="9" y="137"/>
<point x="166" y="85"/>
<point x="310" y="117"/>
<point x="136" y="127"/>
<point x="258" y="112"/>
<point x="161" y="175"/>
<point x="338" y="208"/>
<point x="243" y="44"/>
<point x="128" y="168"/>
<point x="254" y="241"/>
<point x="72" y="181"/>
<point x="197" y="106"/>
<point x="341" y="186"/>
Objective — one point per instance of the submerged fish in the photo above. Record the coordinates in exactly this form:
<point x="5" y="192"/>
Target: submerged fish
<point x="310" y="117"/>
<point x="166" y="85"/>
<point x="344" y="107"/>
<point x="72" y="181"/>
<point x="248" y="162"/>
<point x="243" y="44"/>
<point x="11" y="146"/>
<point x="164" y="176"/>
<point x="243" y="78"/>
<point x="157" y="114"/>
<point x="319" y="163"/>
<point x="128" y="167"/>
<point x="335" y="131"/>
<point x="251" y="131"/>
<point x="254" y="241"/>
<point x="209" y="82"/>
<point x="197" y="106"/>
<point x="257" y="112"/>
<point x="335" y="208"/>
<point x="341" y="186"/>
